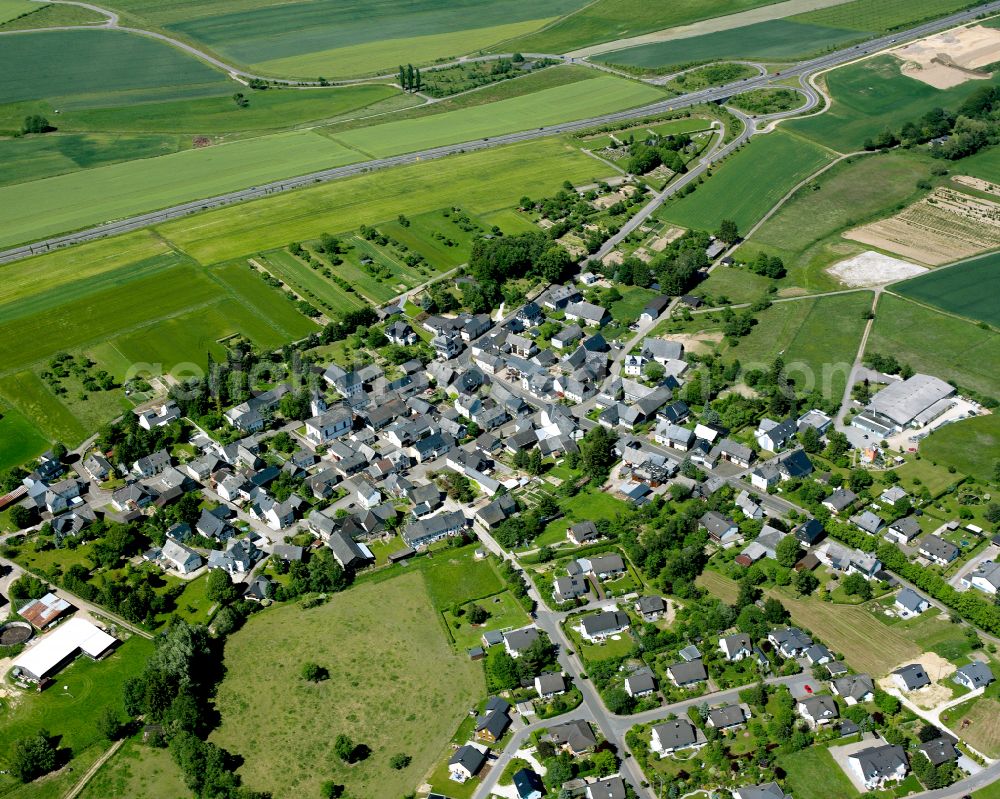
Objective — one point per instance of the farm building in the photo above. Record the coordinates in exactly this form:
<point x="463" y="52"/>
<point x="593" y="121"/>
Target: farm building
<point x="58" y="648"/>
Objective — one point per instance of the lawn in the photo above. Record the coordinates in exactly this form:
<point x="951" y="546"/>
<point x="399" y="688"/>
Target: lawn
<point x="773" y="40"/>
<point x="968" y="289"/>
<point x="736" y="285"/>
<point x="818" y="339"/>
<point x="137" y="770"/>
<point x="971" y="446"/>
<point x="812" y="773"/>
<point x="935" y="478"/>
<point x="607" y="20"/>
<point x="505" y="613"/>
<point x="558" y="104"/>
<point x="936" y="344"/>
<point x="533" y="168"/>
<point x="589" y="505"/>
<point x="748" y="184"/>
<point x="385" y="649"/>
<point x="805" y="231"/>
<point x="868" y="97"/>
<point x="78" y="199"/>
<point x="193" y="604"/>
<point x="69" y="711"/>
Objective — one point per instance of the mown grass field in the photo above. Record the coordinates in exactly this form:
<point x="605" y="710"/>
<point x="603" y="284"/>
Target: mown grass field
<point x="573" y="101"/>
<point x="137" y="770"/>
<point x="20" y="440"/>
<point x="748" y="184"/>
<point x="315" y="38"/>
<point x="532" y="168"/>
<point x="54" y="205"/>
<point x="286" y="267"/>
<point x="9" y="9"/>
<point x="972" y="446"/>
<point x="969" y="289"/>
<point x="52" y="16"/>
<point x="381" y="643"/>
<point x="812" y="773"/>
<point x="871" y="95"/>
<point x="607" y="20"/>
<point x="805" y="231"/>
<point x="937" y="344"/>
<point x="70" y="713"/>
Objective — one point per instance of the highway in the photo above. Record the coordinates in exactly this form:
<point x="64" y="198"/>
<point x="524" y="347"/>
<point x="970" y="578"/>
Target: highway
<point x="710" y="95"/>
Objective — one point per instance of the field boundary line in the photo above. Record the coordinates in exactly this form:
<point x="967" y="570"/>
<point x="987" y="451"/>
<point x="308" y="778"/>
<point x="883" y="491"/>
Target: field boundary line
<point x="77" y="789"/>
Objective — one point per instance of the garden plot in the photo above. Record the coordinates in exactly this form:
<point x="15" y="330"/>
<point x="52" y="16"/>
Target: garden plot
<point x="945" y="226"/>
<point x="873" y="269"/>
<point x="951" y="58"/>
<point x="978" y="184"/>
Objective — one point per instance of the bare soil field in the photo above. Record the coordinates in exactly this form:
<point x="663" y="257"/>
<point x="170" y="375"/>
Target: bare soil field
<point x="945" y="226"/>
<point x="952" y="57"/>
<point x="938" y="692"/>
<point x="873" y="269"/>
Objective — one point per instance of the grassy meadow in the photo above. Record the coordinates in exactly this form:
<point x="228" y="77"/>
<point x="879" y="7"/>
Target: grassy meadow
<point x="968" y="289"/>
<point x="971" y="446"/>
<point x="137" y="770"/>
<point x="937" y="344"/>
<point x="381" y="642"/>
<point x="748" y="184"/>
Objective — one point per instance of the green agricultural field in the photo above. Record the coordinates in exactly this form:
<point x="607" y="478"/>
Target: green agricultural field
<point x="805" y="231"/>
<point x="880" y="15"/>
<point x="69" y="713"/>
<point x="250" y="290"/>
<point x="607" y="20"/>
<point x="748" y="184"/>
<point x="37" y="157"/>
<point x="310" y="38"/>
<point x="533" y="168"/>
<point x="269" y="110"/>
<point x="138" y="770"/>
<point x="871" y="95"/>
<point x="968" y="289"/>
<point x="420" y="235"/>
<point x="289" y="269"/>
<point x="392" y="625"/>
<point x="736" y="285"/>
<point x="10" y="9"/>
<point x="937" y="344"/>
<point x="774" y="40"/>
<point x="52" y="15"/>
<point x="573" y="101"/>
<point x="59" y="204"/>
<point x="972" y="446"/>
<point x="95" y="66"/>
<point x="985" y="164"/>
<point x="19" y="439"/>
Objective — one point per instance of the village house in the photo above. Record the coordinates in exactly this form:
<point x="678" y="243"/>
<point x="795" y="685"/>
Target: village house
<point x="518" y="641"/>
<point x="878" y="765"/>
<point x="158" y="416"/>
<point x="721" y="529"/>
<point x="640" y="683"/>
<point x="973" y="676"/>
<point x="854" y="688"/>
<point x="466" y="763"/>
<point x="839" y="500"/>
<point x="422" y="532"/>
<point x="728" y="717"/>
<point x="180" y="558"/>
<point x="911" y="678"/>
<point x="903" y="531"/>
<point x="818" y="710"/>
<point x="604" y="624"/>
<point x="687" y="673"/>
<point x="651" y="608"/>
<point x="567" y="589"/>
<point x="331" y="423"/>
<point x="775" y="436"/>
<point x="937" y="550"/>
<point x="550" y="685"/>
<point x="909" y="603"/>
<point x="587" y="313"/>
<point x="985" y="577"/>
<point x="789" y="641"/>
<point x="575" y="737"/>
<point x="736" y="647"/>
<point x="674" y="736"/>
<point x="582" y="533"/>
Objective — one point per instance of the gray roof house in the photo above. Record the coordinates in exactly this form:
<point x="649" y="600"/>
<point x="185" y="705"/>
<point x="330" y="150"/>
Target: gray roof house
<point x="911" y="677"/>
<point x="770" y="790"/>
<point x="466" y="762"/>
<point x="789" y="641"/>
<point x="818" y="710"/>
<point x="177" y="556"/>
<point x="910" y="603"/>
<point x="854" y="688"/>
<point x="867" y="522"/>
<point x="687" y="673"/>
<point x="575" y="736"/>
<point x="517" y="641"/>
<point x="736" y="647"/>
<point x="938" y="751"/>
<point x="720" y="528"/>
<point x="612" y="787"/>
<point x="904" y="530"/>
<point x="640" y="683"/>
<point x="603" y="624"/>
<point x="672" y="736"/>
<point x="973" y="676"/>
<point x="878" y="765"/>
<point x="937" y="549"/>
<point x="727" y="717"/>
<point x="569" y="588"/>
